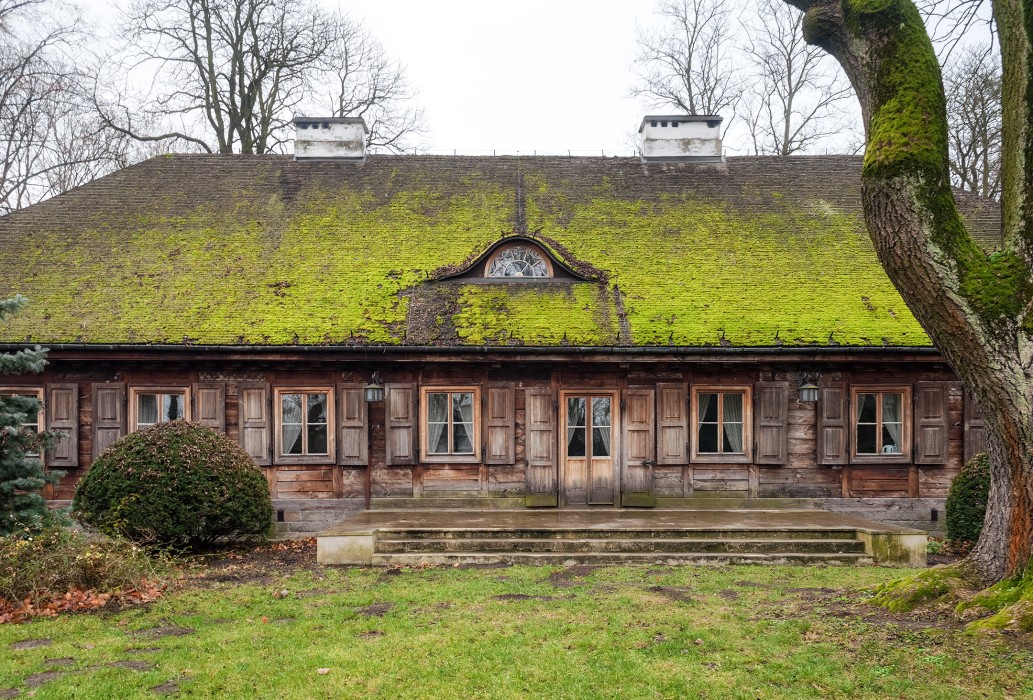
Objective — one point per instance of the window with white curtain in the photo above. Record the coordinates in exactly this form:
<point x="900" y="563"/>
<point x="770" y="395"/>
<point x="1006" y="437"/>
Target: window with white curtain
<point x="150" y="406"/>
<point x="880" y="418"/>
<point x="721" y="422"/>
<point x="304" y="418"/>
<point x="450" y="417"/>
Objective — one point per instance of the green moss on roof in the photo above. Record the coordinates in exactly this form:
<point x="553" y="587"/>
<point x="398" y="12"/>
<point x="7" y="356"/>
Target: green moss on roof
<point x="214" y="250"/>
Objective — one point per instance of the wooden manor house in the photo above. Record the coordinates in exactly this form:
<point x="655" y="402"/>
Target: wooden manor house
<point x="532" y="332"/>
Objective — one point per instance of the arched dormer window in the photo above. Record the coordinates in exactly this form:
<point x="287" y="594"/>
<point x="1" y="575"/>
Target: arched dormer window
<point x="518" y="261"/>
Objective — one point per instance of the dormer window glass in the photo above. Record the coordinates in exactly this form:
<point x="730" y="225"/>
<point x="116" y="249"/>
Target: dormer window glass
<point x="518" y="261"/>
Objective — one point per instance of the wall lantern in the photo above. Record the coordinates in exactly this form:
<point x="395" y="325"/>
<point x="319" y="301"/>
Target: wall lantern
<point x="375" y="389"/>
<point x="808" y="392"/>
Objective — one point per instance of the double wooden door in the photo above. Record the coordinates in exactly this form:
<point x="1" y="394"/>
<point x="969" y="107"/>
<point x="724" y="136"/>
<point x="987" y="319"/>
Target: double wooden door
<point x="588" y="443"/>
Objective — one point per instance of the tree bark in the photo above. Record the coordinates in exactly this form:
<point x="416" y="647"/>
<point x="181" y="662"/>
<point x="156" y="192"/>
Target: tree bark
<point x="977" y="308"/>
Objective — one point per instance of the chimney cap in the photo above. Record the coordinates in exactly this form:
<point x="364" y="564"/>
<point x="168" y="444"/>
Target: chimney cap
<point x="708" y="118"/>
<point x="316" y="122"/>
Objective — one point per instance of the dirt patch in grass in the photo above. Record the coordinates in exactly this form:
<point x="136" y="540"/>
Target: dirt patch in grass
<point x="728" y="594"/>
<point x="375" y="610"/>
<point x="61" y="661"/>
<point x="258" y="565"/>
<point x="143" y="650"/>
<point x="372" y="634"/>
<point x="849" y="604"/>
<point x="166" y="630"/>
<point x="31" y="644"/>
<point x="166" y="688"/>
<point x="524" y="596"/>
<point x="566" y="578"/>
<point x="674" y="593"/>
<point x="38" y="679"/>
<point x="9" y="692"/>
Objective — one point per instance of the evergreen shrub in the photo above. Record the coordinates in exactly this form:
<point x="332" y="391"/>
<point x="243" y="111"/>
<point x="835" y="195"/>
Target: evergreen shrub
<point x="966" y="500"/>
<point x="175" y="484"/>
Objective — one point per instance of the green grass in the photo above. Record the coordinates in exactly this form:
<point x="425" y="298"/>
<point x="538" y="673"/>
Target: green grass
<point x="734" y="632"/>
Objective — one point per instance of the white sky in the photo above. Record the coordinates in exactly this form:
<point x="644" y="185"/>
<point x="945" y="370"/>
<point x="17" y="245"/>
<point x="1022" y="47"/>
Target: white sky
<point x="543" y="76"/>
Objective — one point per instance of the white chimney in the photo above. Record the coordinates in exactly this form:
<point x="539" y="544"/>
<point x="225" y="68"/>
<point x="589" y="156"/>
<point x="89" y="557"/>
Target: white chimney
<point x="329" y="138"/>
<point x="681" y="138"/>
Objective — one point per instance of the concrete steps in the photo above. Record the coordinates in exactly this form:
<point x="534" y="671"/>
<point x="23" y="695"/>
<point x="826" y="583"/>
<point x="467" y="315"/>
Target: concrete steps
<point x="615" y="558"/>
<point x="707" y="536"/>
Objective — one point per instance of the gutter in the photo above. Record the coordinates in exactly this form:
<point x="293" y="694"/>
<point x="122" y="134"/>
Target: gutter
<point x="387" y="350"/>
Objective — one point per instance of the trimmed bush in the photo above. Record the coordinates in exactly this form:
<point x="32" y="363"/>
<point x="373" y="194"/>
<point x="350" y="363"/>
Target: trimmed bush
<point x="966" y="501"/>
<point x="175" y="484"/>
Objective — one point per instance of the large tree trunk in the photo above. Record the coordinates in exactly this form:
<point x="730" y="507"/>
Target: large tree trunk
<point x="978" y="309"/>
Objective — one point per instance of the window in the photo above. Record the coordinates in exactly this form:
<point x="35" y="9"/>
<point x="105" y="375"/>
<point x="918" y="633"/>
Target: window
<point x="722" y="421"/>
<point x="450" y="420"/>
<point x="150" y="406"/>
<point x="304" y="417"/>
<point x="518" y="261"/>
<point x="881" y="428"/>
<point x="34" y="422"/>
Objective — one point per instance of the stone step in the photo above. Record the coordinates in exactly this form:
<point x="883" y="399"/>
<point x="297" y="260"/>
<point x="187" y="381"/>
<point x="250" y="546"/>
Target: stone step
<point x="619" y="545"/>
<point x="465" y="503"/>
<point x="616" y="558"/>
<point x="734" y="503"/>
<point x="536" y="533"/>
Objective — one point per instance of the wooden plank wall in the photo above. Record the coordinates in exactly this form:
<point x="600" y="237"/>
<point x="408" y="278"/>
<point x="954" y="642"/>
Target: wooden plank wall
<point x="799" y="477"/>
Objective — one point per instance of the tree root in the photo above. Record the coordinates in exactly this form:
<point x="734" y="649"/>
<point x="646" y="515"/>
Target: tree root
<point x="958" y="589"/>
<point x="940" y="586"/>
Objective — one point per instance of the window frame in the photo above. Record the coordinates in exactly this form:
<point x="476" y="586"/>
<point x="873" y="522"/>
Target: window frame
<point x="902" y="457"/>
<point x="744" y="457"/>
<point x="132" y="425"/>
<point x="328" y="457"/>
<point x="30" y="392"/>
<point x="546" y="258"/>
<point x="424" y="428"/>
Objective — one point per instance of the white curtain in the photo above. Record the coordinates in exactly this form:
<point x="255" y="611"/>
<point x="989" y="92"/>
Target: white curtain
<point x="733" y="421"/>
<point x="291" y="423"/>
<point x="891" y="418"/>
<point x="704" y="406"/>
<point x="601" y="426"/>
<point x="146" y="409"/>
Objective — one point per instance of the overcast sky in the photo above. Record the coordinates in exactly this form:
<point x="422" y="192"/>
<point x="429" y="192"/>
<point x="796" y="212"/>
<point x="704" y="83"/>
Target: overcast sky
<point x="543" y="76"/>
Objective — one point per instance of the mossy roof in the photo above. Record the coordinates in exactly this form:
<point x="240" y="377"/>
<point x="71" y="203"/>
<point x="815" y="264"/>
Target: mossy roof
<point x="269" y="251"/>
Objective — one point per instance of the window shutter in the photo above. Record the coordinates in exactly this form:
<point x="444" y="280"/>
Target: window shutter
<point x="254" y="423"/>
<point x="210" y="406"/>
<point x="673" y="424"/>
<point x="638" y="446"/>
<point x="833" y="425"/>
<point x="541" y="448"/>
<point x="353" y="438"/>
<point x="400" y="424"/>
<point x="109" y="415"/>
<point x="771" y="423"/>
<point x="975" y="429"/>
<point x="62" y="413"/>
<point x="930" y="423"/>
<point x="499" y="419"/>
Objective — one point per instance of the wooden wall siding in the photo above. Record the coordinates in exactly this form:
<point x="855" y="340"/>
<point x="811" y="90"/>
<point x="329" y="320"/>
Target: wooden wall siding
<point x="800" y="476"/>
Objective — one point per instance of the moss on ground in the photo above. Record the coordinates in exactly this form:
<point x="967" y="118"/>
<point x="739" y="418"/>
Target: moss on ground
<point x="941" y="585"/>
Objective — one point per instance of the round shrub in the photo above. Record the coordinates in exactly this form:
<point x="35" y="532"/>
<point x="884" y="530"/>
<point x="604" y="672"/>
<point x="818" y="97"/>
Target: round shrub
<point x="966" y="501"/>
<point x="174" y="484"/>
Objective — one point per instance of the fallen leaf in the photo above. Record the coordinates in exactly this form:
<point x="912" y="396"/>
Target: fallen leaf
<point x="322" y="671"/>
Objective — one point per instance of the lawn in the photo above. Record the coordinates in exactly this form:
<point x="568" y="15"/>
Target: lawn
<point x="272" y="624"/>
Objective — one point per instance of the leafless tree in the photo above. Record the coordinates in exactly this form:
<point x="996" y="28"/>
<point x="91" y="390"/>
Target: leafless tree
<point x="227" y="76"/>
<point x="798" y="96"/>
<point x="49" y="141"/>
<point x="972" y="86"/>
<point x="687" y="64"/>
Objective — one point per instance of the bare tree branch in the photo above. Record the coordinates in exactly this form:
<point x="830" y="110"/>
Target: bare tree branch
<point x="972" y="86"/>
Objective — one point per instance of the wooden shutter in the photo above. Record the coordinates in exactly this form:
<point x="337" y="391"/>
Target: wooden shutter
<point x="499" y="420"/>
<point x="833" y="443"/>
<point x="353" y="435"/>
<point x="930" y="423"/>
<point x="771" y="419"/>
<point x="541" y="448"/>
<point x="672" y="438"/>
<point x="400" y="424"/>
<point x="210" y="406"/>
<point x="62" y="413"/>
<point x="975" y="429"/>
<point x="254" y="423"/>
<point x="638" y="447"/>
<point x="109" y="415"/>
